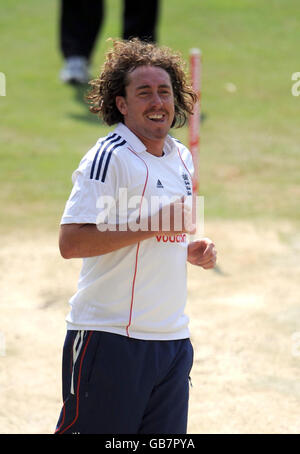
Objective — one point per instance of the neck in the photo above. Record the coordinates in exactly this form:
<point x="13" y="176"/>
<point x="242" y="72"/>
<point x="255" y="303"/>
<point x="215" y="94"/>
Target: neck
<point x="154" y="146"/>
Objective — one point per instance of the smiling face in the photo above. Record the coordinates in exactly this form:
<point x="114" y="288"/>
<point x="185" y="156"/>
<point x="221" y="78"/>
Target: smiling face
<point x="148" y="107"/>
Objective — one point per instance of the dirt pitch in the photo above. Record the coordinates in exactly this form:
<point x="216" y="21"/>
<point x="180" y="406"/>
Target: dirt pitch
<point x="244" y="320"/>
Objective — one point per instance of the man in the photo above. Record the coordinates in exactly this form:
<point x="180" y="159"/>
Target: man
<point x="127" y="354"/>
<point x="79" y="26"/>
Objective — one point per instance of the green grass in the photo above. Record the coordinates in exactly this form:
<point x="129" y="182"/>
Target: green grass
<point x="249" y="150"/>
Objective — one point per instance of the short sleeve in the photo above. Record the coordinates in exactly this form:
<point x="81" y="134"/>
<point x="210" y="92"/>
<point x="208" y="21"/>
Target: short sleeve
<point x="85" y="202"/>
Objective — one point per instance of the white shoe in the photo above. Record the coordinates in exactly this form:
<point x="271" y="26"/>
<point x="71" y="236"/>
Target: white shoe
<point x="75" y="71"/>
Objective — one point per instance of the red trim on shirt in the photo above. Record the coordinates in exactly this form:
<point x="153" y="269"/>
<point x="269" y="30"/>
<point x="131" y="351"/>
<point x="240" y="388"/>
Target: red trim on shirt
<point x="194" y="191"/>
<point x="138" y="246"/>
<point x="185" y="165"/>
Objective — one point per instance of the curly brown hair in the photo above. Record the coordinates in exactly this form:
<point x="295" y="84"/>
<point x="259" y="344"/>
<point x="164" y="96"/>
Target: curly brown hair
<point x="120" y="61"/>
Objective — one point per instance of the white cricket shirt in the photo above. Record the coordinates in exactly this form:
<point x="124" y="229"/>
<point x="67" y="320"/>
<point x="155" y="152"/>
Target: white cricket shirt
<point x="140" y="290"/>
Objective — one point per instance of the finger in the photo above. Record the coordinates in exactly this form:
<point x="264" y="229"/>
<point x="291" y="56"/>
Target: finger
<point x="206" y="264"/>
<point x="208" y="249"/>
<point x="209" y="254"/>
<point x="206" y="260"/>
<point x="209" y="265"/>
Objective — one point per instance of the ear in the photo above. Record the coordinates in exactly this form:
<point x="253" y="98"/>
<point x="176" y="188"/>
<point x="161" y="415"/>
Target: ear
<point x="121" y="104"/>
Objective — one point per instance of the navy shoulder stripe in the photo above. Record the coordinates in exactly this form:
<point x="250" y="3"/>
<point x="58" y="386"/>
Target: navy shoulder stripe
<point x="108" y="158"/>
<point x="107" y="146"/>
<point x="102" y="143"/>
<point x="104" y="149"/>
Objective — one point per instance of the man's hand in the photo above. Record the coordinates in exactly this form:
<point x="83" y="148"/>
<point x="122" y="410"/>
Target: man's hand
<point x="177" y="217"/>
<point x="202" y="253"/>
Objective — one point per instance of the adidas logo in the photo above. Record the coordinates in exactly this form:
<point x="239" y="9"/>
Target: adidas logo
<point x="159" y="184"/>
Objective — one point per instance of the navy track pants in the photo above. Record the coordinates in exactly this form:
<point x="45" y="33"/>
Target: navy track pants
<point x="114" y="384"/>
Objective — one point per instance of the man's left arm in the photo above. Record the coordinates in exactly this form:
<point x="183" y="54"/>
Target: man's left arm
<point x="202" y="253"/>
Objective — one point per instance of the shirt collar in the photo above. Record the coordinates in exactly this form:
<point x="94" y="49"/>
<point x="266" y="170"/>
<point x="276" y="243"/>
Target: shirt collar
<point x="130" y="137"/>
<point x="137" y="144"/>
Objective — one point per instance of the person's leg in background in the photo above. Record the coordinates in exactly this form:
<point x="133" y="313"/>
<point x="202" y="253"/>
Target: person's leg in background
<point x="80" y="23"/>
<point x="140" y="19"/>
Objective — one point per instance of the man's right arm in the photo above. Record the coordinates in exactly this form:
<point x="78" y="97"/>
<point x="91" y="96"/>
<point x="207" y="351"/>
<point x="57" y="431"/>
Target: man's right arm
<point x="86" y="240"/>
